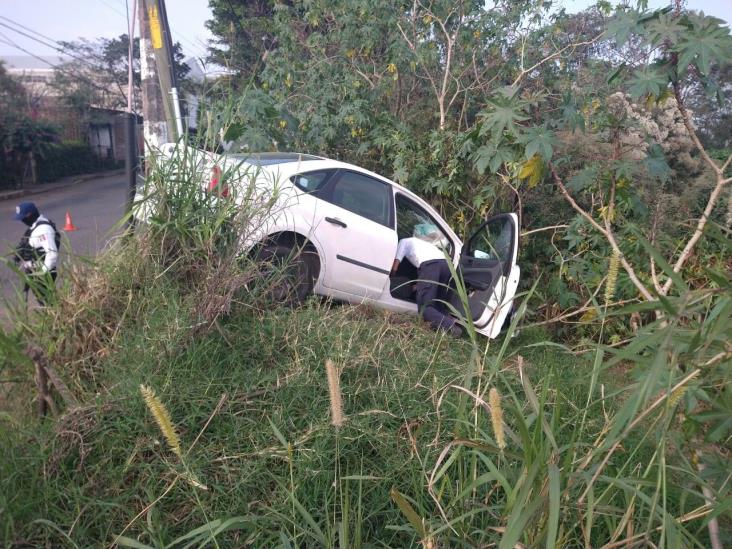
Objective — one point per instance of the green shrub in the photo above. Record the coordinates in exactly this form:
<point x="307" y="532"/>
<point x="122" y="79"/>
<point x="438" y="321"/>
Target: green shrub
<point x="70" y="158"/>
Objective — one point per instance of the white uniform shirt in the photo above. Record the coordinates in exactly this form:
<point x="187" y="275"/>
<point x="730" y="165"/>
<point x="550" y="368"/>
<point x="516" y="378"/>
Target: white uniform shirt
<point x="43" y="236"/>
<point x="417" y="251"/>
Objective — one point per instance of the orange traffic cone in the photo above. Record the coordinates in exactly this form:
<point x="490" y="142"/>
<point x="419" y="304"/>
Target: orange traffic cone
<point x="69" y="224"/>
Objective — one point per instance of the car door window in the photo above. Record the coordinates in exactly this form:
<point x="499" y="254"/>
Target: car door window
<point x="494" y="241"/>
<point x="311" y="181"/>
<point x="363" y="195"/>
<point x="412" y="220"/>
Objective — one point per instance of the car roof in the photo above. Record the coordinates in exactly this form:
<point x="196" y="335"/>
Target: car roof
<point x="271" y="158"/>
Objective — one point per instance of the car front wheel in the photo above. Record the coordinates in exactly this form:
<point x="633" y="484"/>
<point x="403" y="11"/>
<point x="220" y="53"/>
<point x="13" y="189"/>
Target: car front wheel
<point x="287" y="273"/>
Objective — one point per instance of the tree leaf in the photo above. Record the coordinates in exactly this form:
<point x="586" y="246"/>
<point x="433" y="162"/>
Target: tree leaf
<point x="647" y="81"/>
<point x="616" y="74"/>
<point x="483" y="157"/>
<point x="623" y="25"/>
<point x="533" y="170"/>
<point x="490" y="156"/>
<point x="503" y="114"/>
<point x="503" y="155"/>
<point x="664" y="29"/>
<point x="655" y="163"/>
<point x="539" y="140"/>
<point x="705" y="43"/>
<point x="582" y="179"/>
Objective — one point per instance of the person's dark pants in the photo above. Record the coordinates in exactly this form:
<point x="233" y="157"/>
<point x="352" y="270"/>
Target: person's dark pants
<point x="432" y="290"/>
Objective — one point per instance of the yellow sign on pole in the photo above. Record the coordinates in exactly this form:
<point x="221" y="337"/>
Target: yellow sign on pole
<point x="155" y="32"/>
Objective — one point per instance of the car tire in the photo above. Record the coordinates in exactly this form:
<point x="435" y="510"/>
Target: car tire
<point x="291" y="273"/>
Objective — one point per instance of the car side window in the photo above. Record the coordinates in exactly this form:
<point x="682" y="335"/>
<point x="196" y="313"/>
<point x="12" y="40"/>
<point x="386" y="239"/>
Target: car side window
<point x="311" y="181"/>
<point x="363" y="195"/>
<point x="412" y="220"/>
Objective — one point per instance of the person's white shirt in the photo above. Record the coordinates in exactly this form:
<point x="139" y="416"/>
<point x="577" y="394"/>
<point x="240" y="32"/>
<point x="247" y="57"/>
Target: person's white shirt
<point x="417" y="251"/>
<point x="43" y="236"/>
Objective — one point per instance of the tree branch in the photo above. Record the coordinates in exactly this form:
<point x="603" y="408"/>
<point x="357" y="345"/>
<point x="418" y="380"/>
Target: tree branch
<point x="554" y="55"/>
<point x="608" y="234"/>
<point x="713" y="197"/>
<point x="692" y="132"/>
<point x="527" y="233"/>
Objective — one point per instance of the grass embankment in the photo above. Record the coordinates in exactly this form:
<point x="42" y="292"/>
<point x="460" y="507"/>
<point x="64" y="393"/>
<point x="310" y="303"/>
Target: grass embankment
<point x="253" y="395"/>
<point x="445" y="443"/>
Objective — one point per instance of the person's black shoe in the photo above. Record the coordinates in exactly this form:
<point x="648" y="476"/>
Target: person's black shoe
<point x="456" y="331"/>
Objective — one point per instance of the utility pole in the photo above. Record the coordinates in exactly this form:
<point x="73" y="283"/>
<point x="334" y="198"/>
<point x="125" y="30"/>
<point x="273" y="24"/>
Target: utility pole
<point x="132" y="159"/>
<point x="156" y="129"/>
<point x="161" y="43"/>
<point x="174" y="97"/>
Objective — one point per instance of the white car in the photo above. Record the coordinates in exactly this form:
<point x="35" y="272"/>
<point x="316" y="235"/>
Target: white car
<point x="339" y="226"/>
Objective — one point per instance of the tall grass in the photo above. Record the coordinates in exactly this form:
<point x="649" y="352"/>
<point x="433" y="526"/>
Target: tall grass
<point x="596" y="469"/>
<point x="407" y="437"/>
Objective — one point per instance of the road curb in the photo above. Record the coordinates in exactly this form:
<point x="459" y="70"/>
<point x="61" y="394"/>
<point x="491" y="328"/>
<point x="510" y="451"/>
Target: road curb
<point x="48" y="187"/>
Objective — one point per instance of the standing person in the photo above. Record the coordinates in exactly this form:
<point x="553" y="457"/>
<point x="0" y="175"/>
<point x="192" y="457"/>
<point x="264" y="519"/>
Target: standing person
<point x="37" y="252"/>
<point x="432" y="284"/>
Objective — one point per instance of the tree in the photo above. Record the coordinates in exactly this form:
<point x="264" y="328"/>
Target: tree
<point x="479" y="106"/>
<point x="21" y="136"/>
<point x="683" y="46"/>
<point x="396" y="87"/>
<point x="242" y="30"/>
<point x="97" y="73"/>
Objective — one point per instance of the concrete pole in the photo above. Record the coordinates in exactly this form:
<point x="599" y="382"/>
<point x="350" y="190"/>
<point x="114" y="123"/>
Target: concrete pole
<point x="132" y="156"/>
<point x="155" y="126"/>
<point x="158" y="41"/>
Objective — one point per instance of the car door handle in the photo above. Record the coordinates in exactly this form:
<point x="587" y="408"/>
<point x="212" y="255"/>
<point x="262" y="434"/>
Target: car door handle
<point x="336" y="221"/>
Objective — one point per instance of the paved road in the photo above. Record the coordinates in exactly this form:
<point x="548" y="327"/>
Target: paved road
<point x="95" y="206"/>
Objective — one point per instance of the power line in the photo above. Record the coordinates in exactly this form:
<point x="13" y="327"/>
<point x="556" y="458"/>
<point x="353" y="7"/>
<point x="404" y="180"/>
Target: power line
<point x="54" y="46"/>
<point x="111" y="7"/>
<point x="58" y="46"/>
<point x="58" y="68"/>
<point x="28" y="29"/>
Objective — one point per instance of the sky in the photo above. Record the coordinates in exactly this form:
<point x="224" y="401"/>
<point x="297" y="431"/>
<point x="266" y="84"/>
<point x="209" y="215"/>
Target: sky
<point x="73" y="19"/>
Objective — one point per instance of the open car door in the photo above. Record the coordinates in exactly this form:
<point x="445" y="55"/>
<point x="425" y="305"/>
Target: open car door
<point x="488" y="267"/>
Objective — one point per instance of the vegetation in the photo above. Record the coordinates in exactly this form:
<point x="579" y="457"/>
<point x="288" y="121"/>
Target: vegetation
<point x="69" y="158"/>
<point x="97" y="72"/>
<point x="22" y="137"/>
<point x="191" y="410"/>
<point x="518" y="106"/>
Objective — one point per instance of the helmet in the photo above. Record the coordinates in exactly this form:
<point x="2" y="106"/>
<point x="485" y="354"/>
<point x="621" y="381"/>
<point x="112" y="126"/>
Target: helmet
<point x="25" y="209"/>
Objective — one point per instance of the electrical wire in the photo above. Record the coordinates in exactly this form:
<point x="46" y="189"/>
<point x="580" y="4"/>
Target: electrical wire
<point x="53" y="47"/>
<point x="57" y="45"/>
<point x="58" y="68"/>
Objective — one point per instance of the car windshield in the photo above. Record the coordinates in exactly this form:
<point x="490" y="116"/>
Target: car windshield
<point x="269" y="159"/>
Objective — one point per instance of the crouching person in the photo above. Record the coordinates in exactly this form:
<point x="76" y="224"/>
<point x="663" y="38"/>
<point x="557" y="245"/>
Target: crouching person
<point x="37" y="252"/>
<point x="432" y="288"/>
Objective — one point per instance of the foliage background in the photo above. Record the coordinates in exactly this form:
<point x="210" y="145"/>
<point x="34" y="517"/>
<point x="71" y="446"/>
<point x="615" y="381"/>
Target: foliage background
<point x="466" y="104"/>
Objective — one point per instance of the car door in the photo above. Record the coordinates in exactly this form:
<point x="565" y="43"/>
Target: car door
<point x="488" y="267"/>
<point x="354" y="226"/>
<point x="410" y="216"/>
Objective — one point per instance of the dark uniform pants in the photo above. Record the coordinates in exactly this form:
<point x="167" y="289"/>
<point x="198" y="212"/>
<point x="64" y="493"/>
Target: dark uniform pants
<point x="432" y="289"/>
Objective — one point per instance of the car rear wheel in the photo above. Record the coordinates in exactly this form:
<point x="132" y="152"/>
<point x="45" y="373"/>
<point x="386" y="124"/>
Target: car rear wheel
<point x="287" y="273"/>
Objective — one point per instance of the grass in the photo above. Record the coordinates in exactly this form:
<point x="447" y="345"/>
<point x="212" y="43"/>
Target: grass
<point x="595" y="449"/>
<point x="268" y="452"/>
<point x="270" y="442"/>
